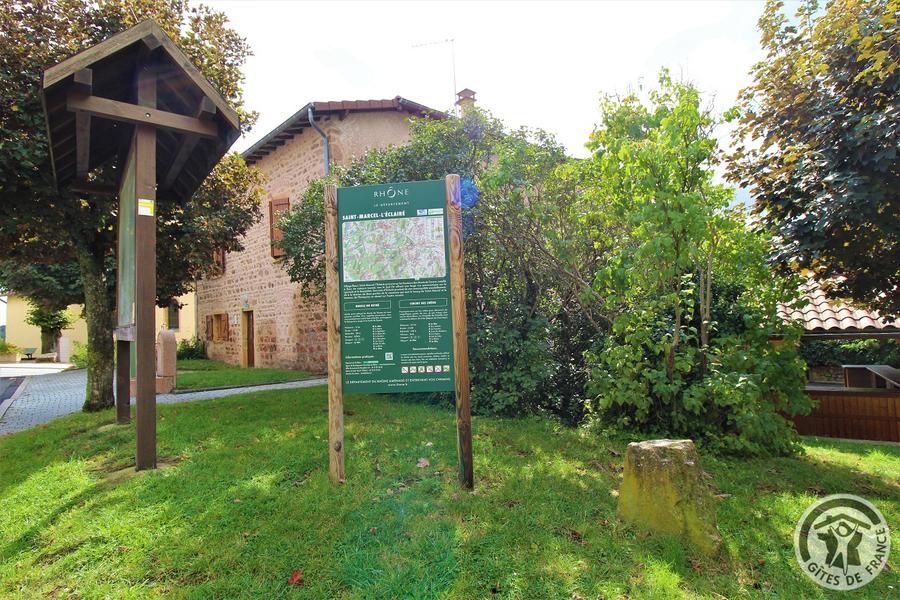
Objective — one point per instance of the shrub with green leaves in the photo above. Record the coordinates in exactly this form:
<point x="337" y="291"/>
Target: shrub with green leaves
<point x="194" y="348"/>
<point x="79" y="355"/>
<point x="6" y="348"/>
<point x="692" y="302"/>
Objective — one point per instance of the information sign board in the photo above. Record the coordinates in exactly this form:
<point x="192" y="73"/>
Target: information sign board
<point x="395" y="305"/>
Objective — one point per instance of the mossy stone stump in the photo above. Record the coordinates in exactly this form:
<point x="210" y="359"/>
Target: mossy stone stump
<point x="663" y="491"/>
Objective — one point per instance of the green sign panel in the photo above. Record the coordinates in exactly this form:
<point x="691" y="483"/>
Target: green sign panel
<point x="125" y="277"/>
<point x="396" y="330"/>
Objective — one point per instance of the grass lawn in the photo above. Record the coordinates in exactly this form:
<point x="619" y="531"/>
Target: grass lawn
<point x="245" y="500"/>
<point x="197" y="374"/>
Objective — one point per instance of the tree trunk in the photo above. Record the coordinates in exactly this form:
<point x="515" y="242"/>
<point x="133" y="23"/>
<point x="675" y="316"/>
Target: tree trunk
<point x="48" y="340"/>
<point x="98" y="315"/>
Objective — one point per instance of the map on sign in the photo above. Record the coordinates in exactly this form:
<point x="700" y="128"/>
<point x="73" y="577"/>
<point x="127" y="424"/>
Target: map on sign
<point x="384" y="249"/>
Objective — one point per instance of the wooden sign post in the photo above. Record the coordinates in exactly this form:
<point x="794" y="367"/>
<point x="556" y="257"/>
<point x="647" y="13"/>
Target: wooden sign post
<point x="333" y="315"/>
<point x="426" y="291"/>
<point x="460" y="341"/>
<point x="179" y="124"/>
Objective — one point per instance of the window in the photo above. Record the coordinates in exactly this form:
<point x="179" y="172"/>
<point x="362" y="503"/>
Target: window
<point x="276" y="208"/>
<point x="173" y="315"/>
<point x="219" y="325"/>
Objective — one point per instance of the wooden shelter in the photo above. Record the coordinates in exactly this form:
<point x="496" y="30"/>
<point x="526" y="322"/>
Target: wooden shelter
<point x="866" y="405"/>
<point x="135" y="106"/>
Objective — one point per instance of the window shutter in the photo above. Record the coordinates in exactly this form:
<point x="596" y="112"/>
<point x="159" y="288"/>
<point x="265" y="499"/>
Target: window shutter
<point x="276" y="208"/>
<point x="209" y="328"/>
<point x="226" y="334"/>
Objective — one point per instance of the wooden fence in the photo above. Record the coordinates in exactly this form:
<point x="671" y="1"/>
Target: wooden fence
<point x="853" y="413"/>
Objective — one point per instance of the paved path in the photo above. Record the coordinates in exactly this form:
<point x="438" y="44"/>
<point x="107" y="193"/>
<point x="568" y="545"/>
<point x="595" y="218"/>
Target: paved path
<point x="43" y="398"/>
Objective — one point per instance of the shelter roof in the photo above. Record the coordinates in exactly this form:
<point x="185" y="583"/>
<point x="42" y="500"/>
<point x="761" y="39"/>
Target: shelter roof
<point x="99" y="81"/>
<point x="824" y="317"/>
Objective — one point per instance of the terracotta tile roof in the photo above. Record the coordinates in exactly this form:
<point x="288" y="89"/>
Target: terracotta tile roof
<point x="823" y="315"/>
<point x="300" y="120"/>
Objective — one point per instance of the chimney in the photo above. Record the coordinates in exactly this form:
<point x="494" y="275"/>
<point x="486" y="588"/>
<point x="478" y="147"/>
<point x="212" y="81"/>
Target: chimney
<point x="465" y="100"/>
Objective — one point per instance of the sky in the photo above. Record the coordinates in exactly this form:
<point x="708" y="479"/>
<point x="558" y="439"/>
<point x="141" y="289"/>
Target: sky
<point x="540" y="64"/>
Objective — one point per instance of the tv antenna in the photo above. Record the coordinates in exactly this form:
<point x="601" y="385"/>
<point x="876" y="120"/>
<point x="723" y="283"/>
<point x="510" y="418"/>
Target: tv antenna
<point x="452" y="43"/>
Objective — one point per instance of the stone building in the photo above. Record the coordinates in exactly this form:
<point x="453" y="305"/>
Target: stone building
<point x="252" y="314"/>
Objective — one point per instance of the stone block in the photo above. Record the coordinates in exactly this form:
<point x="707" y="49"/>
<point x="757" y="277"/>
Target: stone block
<point x="664" y="491"/>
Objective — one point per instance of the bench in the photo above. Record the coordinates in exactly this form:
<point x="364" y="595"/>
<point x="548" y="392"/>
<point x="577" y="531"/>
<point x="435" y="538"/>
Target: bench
<point x="28" y="352"/>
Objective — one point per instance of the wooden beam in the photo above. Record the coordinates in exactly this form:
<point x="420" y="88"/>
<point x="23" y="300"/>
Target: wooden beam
<point x="123" y="381"/>
<point x="333" y="319"/>
<point x="205" y="112"/>
<point x="151" y="41"/>
<point x="207" y="109"/>
<point x="94" y="189"/>
<point x="460" y="343"/>
<point x="145" y="275"/>
<point x="82" y="144"/>
<point x="83" y="82"/>
<point x="140" y="115"/>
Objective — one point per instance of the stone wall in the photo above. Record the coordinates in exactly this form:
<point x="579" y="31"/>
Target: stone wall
<point x="289" y="332"/>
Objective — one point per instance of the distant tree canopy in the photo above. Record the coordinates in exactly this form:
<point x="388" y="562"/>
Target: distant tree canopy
<point x="40" y="225"/>
<point x="817" y="144"/>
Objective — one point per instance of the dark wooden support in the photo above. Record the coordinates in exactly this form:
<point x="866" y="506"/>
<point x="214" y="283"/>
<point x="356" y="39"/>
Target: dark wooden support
<point x="83" y="82"/>
<point x="145" y="275"/>
<point x="140" y="115"/>
<point x="96" y="189"/>
<point x="205" y="112"/>
<point x="123" y="381"/>
<point x="82" y="144"/>
<point x="151" y="42"/>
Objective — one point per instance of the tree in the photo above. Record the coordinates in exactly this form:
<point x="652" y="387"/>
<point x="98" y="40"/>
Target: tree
<point x="51" y="323"/>
<point x="39" y="224"/>
<point x="680" y="265"/>
<point x="817" y="145"/>
<point x="515" y="299"/>
<point x="49" y="289"/>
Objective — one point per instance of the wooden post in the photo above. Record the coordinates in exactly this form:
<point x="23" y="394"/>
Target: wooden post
<point x="460" y="343"/>
<point x="123" y="382"/>
<point x="333" y="316"/>
<point x="145" y="275"/>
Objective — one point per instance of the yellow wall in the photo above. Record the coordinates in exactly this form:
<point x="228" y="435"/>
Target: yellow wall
<point x="23" y="335"/>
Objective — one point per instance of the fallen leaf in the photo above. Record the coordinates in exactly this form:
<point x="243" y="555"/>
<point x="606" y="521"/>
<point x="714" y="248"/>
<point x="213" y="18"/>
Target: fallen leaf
<point x="761" y="562"/>
<point x="614" y="452"/>
<point x="374" y="531"/>
<point x="423" y="462"/>
<point x="296" y="577"/>
<point x="577" y="596"/>
<point x="291" y="433"/>
<point x="496" y="588"/>
<point x="429" y="444"/>
<point x="237" y="500"/>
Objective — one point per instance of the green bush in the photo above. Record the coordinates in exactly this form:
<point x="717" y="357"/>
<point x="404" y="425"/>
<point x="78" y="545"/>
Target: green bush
<point x="8" y="348"/>
<point x="834" y="353"/>
<point x="79" y="355"/>
<point x="511" y="364"/>
<point x="191" y="349"/>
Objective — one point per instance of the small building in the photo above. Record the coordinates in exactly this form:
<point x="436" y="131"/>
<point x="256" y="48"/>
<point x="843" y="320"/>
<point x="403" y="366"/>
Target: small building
<point x="251" y="314"/>
<point x="182" y="320"/>
<point x="853" y="401"/>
